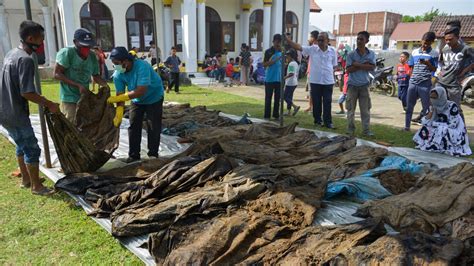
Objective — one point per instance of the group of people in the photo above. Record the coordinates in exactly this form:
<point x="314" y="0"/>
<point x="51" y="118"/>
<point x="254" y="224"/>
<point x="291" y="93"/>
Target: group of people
<point x="135" y="80"/>
<point x="229" y="70"/>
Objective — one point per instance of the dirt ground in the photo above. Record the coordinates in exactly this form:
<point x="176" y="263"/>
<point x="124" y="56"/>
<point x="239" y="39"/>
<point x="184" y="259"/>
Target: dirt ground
<point x="385" y="110"/>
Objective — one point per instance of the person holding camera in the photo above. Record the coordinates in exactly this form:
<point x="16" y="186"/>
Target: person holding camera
<point x="423" y="62"/>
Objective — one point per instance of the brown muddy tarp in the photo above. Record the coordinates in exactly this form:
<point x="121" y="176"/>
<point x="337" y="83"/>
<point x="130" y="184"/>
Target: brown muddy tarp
<point x="439" y="198"/>
<point x="88" y="143"/>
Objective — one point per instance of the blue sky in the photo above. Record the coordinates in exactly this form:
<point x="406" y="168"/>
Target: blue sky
<point x="324" y="20"/>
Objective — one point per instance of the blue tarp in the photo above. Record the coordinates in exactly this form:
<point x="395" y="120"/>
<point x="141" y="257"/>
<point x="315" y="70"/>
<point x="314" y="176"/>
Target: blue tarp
<point x="366" y="186"/>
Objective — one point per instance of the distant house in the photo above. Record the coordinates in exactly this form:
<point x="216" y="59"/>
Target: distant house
<point x="407" y="36"/>
<point x="380" y="25"/>
<point x="467" y="27"/>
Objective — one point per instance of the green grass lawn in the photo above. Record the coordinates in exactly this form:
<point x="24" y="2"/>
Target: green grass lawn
<point x="52" y="230"/>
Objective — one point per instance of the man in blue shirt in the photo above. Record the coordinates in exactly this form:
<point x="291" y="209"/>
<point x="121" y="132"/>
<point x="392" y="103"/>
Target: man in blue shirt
<point x="359" y="63"/>
<point x="423" y="62"/>
<point x="272" y="63"/>
<point x="145" y="89"/>
<point x="173" y="63"/>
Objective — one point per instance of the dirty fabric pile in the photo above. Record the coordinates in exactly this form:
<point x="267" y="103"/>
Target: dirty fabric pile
<point x="434" y="203"/>
<point x="88" y="143"/>
<point x="249" y="194"/>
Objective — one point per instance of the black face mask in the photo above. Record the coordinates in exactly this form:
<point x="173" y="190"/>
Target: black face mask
<point x="34" y="47"/>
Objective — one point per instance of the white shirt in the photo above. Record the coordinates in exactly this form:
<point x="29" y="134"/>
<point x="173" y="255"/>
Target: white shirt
<point x="322" y="64"/>
<point x="292" y="69"/>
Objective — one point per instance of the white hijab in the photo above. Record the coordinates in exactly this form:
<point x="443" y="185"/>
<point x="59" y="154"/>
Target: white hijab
<point x="440" y="104"/>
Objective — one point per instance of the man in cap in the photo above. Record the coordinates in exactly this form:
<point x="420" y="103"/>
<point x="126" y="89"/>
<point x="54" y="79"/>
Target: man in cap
<point x="75" y="65"/>
<point x="145" y="89"/>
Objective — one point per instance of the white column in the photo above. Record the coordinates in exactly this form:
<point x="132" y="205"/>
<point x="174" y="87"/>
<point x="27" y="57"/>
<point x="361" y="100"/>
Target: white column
<point x="267" y="13"/>
<point x="67" y="15"/>
<point x="305" y="23"/>
<point x="5" y="43"/>
<point x="167" y="30"/>
<point x="245" y="17"/>
<point x="50" y="41"/>
<point x="188" y="20"/>
<point x="277" y="19"/>
<point x="201" y="29"/>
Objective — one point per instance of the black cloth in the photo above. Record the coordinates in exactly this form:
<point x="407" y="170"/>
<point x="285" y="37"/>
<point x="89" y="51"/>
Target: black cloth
<point x="17" y="77"/>
<point x="322" y="97"/>
<point x="270" y="89"/>
<point x="154" y="114"/>
<point x="174" y="81"/>
<point x="153" y="61"/>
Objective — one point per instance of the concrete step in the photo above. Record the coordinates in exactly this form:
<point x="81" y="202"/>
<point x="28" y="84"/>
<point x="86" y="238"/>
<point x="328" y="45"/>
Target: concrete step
<point x="197" y="75"/>
<point x="202" y="81"/>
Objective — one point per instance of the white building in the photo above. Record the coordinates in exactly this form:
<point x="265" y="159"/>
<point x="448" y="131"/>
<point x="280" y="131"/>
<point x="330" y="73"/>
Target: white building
<point x="195" y="27"/>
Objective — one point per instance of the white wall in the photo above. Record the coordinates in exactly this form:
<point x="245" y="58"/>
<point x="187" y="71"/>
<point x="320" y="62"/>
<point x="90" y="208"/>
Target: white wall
<point x="351" y="41"/>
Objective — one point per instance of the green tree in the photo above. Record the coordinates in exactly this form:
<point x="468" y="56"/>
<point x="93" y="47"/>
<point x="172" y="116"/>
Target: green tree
<point x="427" y="16"/>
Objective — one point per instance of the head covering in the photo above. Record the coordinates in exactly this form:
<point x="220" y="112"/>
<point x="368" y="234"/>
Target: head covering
<point x="277" y="37"/>
<point x="120" y="53"/>
<point x="440" y="104"/>
<point x="84" y="37"/>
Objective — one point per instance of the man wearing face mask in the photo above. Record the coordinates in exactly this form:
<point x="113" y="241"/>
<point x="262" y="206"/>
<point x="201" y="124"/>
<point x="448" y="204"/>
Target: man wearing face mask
<point x="74" y="67"/>
<point x="17" y="88"/>
<point x="145" y="89"/>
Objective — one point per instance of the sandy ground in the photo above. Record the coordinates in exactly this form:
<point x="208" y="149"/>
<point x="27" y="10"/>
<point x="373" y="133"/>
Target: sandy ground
<point x="385" y="110"/>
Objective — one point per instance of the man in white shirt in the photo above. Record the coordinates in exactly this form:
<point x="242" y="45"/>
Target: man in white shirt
<point x="323" y="60"/>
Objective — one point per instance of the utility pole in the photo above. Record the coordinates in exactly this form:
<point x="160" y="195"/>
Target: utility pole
<point x="283" y="61"/>
<point x="44" y="132"/>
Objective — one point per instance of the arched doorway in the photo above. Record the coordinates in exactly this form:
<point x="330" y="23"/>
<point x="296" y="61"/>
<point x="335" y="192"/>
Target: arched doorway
<point x="213" y="31"/>
<point x="292" y="25"/>
<point x="139" y="26"/>
<point x="99" y="21"/>
<point x="256" y="30"/>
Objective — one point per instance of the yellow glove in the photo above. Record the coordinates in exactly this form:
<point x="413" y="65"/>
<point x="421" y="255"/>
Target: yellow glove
<point x="118" y="116"/>
<point x="119" y="98"/>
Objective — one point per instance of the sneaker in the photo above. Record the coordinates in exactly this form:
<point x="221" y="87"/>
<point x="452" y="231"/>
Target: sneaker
<point x="318" y="124"/>
<point x="369" y="134"/>
<point x="297" y="108"/>
<point x="130" y="160"/>
<point x="406" y="129"/>
<point x="340" y="113"/>
<point x="330" y="126"/>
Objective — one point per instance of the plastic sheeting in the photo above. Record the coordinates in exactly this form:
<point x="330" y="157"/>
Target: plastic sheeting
<point x="335" y="211"/>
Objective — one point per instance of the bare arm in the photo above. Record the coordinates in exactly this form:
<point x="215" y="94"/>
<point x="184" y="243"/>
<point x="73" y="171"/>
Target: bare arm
<point x="38" y="99"/>
<point x="98" y="79"/>
<point x="351" y="69"/>
<point x="59" y="75"/>
<point x="138" y="92"/>
<point x="293" y="45"/>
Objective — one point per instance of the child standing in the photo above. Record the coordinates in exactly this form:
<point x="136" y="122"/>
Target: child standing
<point x="229" y="72"/>
<point x="343" y="96"/>
<point x="291" y="81"/>
<point x="403" y="78"/>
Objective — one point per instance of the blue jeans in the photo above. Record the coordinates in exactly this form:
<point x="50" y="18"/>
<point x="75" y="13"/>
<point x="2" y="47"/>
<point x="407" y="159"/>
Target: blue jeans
<point x="402" y="94"/>
<point x="322" y="98"/>
<point x="26" y="143"/>
<point x="289" y="91"/>
<point x="415" y="92"/>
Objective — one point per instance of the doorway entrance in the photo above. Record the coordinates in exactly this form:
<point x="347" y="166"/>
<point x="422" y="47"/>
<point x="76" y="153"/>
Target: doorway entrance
<point x="213" y="31"/>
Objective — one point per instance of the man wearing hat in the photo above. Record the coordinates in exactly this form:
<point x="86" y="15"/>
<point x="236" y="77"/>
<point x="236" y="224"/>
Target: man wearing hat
<point x="145" y="90"/>
<point x="272" y="63"/>
<point x="75" y="65"/>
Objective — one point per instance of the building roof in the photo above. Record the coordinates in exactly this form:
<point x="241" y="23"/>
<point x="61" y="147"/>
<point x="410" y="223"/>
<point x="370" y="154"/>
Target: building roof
<point x="315" y="7"/>
<point x="467" y="25"/>
<point x="410" y="31"/>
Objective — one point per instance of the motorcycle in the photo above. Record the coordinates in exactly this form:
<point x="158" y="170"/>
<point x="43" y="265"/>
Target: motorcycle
<point x="382" y="78"/>
<point x="468" y="89"/>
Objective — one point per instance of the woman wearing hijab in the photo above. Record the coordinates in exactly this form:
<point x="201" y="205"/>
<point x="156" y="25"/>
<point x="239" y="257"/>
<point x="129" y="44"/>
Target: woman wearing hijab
<point x="443" y="128"/>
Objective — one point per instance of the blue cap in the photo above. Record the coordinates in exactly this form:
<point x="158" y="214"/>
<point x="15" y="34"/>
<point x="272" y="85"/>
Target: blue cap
<point x="84" y="37"/>
<point x="120" y="53"/>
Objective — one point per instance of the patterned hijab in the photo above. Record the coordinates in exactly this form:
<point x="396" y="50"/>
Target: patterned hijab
<point x="440" y="105"/>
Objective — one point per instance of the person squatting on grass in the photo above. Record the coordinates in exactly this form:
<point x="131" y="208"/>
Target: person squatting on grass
<point x="17" y="88"/>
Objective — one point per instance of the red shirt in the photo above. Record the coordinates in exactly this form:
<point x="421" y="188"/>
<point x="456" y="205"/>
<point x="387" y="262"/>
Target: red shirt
<point x="229" y="70"/>
<point x="403" y="74"/>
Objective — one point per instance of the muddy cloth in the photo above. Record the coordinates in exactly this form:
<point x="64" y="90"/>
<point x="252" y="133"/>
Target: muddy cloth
<point x="206" y="202"/>
<point x="76" y="153"/>
<point x="178" y="176"/>
<point x="254" y="239"/>
<point x="79" y="183"/>
<point x="94" y="120"/>
<point x="438" y="199"/>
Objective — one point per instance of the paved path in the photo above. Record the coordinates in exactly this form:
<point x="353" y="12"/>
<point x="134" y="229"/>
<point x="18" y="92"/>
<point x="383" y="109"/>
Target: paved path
<point x="385" y="110"/>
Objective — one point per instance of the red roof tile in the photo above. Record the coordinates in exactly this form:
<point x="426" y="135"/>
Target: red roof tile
<point x="467" y="25"/>
<point x="315" y="7"/>
<point x="410" y="31"/>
